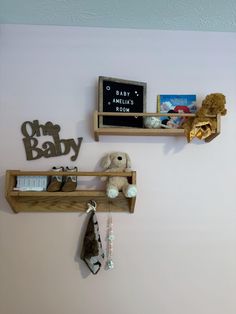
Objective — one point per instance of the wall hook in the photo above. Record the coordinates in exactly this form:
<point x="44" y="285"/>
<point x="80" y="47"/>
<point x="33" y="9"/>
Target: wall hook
<point x="92" y="205"/>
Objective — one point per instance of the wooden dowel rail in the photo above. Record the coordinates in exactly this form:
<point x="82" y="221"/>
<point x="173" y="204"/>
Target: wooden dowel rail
<point x="77" y="174"/>
<point x="110" y="130"/>
<point x="143" y="114"/>
<point x="44" y="201"/>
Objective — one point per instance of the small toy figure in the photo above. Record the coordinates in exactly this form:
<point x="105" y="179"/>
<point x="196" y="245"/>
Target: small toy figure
<point x="153" y="123"/>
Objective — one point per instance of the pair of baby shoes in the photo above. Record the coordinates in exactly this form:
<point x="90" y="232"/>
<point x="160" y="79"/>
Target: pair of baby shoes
<point x="63" y="183"/>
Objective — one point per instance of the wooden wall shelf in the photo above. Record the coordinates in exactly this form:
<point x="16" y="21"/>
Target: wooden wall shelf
<point x="65" y="201"/>
<point x="143" y="131"/>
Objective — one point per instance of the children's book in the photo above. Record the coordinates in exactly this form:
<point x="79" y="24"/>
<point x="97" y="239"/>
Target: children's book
<point x="175" y="104"/>
<point x="31" y="183"/>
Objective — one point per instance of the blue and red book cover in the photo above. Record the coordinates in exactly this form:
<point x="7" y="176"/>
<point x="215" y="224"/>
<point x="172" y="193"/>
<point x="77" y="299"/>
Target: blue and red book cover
<point x="175" y="104"/>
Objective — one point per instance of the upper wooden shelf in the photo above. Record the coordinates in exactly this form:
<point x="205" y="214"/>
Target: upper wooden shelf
<point x="129" y="131"/>
<point x="66" y="201"/>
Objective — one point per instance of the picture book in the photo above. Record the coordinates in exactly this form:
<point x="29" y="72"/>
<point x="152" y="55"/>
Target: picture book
<point x="175" y="104"/>
<point x="31" y="183"/>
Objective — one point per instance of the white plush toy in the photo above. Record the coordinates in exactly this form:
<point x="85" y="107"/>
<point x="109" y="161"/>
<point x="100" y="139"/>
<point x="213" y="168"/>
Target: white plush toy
<point x="118" y="162"/>
<point x="153" y="123"/>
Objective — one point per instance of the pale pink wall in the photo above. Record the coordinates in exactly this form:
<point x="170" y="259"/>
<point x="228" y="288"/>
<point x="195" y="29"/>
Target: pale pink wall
<point x="177" y="253"/>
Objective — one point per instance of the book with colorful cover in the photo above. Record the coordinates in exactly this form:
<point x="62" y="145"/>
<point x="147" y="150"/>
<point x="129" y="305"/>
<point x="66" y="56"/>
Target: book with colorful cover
<point x="175" y="104"/>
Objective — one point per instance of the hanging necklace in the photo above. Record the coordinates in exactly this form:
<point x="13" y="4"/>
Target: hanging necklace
<point x="110" y="238"/>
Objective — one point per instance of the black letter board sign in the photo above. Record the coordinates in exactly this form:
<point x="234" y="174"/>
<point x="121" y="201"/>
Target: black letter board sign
<point x="121" y="96"/>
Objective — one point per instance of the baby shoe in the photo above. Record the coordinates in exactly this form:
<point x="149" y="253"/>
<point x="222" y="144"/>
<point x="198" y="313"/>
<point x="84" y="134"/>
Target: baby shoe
<point x="70" y="181"/>
<point x="56" y="181"/>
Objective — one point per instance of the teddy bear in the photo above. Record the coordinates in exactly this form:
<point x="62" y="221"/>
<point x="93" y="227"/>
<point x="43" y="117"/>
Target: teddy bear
<point x="118" y="162"/>
<point x="205" y="123"/>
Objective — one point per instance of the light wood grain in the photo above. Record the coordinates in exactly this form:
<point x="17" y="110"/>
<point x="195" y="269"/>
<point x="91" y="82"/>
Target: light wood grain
<point x="140" y="132"/>
<point x="144" y="114"/>
<point x="75" y="201"/>
<point x="64" y="173"/>
<point x="129" y="131"/>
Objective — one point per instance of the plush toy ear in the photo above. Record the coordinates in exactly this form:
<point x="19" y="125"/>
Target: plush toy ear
<point x="128" y="161"/>
<point x="106" y="161"/>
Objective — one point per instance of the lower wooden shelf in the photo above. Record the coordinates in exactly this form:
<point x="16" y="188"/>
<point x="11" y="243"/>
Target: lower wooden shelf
<point x="65" y="201"/>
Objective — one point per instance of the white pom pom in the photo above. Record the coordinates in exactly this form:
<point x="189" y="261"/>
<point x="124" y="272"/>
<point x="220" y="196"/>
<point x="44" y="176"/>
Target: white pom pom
<point x="152" y="122"/>
<point x="132" y="191"/>
<point x="112" y="193"/>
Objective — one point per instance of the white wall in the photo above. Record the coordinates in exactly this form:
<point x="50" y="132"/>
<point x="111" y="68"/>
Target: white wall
<point x="177" y="253"/>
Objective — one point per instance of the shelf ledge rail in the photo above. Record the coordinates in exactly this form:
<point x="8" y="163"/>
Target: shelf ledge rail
<point x="130" y="131"/>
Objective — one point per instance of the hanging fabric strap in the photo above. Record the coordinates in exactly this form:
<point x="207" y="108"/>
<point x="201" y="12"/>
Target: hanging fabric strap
<point x="92" y="253"/>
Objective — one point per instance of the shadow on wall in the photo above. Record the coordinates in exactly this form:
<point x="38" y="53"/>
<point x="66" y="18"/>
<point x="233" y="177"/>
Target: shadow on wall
<point x="85" y="127"/>
<point x="170" y="144"/>
<point x="4" y="206"/>
<point x="176" y="144"/>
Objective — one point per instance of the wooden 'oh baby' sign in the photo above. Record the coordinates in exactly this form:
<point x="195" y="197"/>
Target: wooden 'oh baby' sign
<point x="56" y="147"/>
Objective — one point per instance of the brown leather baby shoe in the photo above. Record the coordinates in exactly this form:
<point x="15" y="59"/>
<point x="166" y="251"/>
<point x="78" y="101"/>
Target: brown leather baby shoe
<point x="70" y="181"/>
<point x="56" y="181"/>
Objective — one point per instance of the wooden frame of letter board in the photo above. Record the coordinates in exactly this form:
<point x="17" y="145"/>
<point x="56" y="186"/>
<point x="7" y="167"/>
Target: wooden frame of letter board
<point x="101" y="98"/>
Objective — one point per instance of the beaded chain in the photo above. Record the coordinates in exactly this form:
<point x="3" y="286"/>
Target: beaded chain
<point x="110" y="238"/>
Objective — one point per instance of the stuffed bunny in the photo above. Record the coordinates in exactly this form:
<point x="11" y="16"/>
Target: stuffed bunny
<point x="118" y="162"/>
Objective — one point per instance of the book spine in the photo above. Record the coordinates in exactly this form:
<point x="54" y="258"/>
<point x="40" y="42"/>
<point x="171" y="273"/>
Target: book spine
<point x="158" y="103"/>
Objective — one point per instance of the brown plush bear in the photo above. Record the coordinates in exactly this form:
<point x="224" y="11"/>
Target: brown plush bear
<point x="212" y="105"/>
<point x="205" y="122"/>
